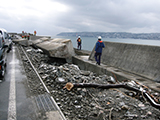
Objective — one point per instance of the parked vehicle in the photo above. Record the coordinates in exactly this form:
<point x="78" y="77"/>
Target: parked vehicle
<point x="3" y="57"/>
<point x="5" y="39"/>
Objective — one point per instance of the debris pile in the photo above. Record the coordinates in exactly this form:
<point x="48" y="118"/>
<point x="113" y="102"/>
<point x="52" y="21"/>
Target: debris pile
<point x="90" y="103"/>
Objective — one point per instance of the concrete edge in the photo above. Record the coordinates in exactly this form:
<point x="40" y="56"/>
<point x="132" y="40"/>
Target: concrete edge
<point x="121" y="75"/>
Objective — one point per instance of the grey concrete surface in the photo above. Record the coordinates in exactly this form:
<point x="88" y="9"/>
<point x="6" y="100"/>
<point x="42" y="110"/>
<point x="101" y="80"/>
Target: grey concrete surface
<point x="57" y="47"/>
<point x="38" y="37"/>
<point x="23" y="42"/>
<point x="140" y="59"/>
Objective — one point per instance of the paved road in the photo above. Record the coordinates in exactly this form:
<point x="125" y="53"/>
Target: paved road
<point x="15" y="102"/>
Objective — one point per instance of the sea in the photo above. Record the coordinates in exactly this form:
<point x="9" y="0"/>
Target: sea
<point x="88" y="43"/>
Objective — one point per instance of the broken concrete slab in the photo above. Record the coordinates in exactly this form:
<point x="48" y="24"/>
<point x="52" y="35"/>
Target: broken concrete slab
<point x="38" y="37"/>
<point x="57" y="47"/>
<point x="23" y="42"/>
<point x="37" y="41"/>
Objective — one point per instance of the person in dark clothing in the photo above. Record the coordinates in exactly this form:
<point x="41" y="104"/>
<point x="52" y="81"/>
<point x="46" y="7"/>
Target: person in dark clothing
<point x="98" y="50"/>
<point x="79" y="42"/>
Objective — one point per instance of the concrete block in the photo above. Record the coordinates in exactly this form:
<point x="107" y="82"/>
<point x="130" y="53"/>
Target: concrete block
<point x="23" y="42"/>
<point x="40" y="40"/>
<point x="38" y="37"/>
<point x="60" y="48"/>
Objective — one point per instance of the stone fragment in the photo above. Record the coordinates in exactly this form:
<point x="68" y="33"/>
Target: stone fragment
<point x="60" y="80"/>
<point x="77" y="106"/>
<point x="141" y="105"/>
<point x="111" y="80"/>
<point x="100" y="115"/>
<point x="125" y="107"/>
<point x="86" y="73"/>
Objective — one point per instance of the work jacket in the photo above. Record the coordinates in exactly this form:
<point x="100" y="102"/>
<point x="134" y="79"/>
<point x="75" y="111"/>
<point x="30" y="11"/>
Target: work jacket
<point x="99" y="46"/>
<point x="79" y="40"/>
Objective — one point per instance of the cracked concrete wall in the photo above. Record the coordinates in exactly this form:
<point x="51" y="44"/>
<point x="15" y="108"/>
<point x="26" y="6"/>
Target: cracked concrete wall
<point x="140" y="59"/>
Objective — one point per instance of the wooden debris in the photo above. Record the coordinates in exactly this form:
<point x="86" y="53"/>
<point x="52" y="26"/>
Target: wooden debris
<point x="69" y="86"/>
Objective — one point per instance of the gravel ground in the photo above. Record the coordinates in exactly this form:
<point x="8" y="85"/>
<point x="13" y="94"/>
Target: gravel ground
<point x="86" y="103"/>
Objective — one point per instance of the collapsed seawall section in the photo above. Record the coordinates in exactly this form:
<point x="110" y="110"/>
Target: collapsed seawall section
<point x="139" y="59"/>
<point x="57" y="47"/>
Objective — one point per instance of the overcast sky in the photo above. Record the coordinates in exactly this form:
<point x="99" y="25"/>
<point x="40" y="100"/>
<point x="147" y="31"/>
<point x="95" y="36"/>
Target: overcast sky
<point x="50" y="17"/>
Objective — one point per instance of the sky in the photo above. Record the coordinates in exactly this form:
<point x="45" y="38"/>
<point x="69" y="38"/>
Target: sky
<point x="50" y="17"/>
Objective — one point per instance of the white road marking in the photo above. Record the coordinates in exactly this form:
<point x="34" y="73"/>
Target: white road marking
<point x="12" y="92"/>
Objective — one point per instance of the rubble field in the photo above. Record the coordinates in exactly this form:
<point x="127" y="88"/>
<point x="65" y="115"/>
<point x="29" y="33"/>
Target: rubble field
<point x="86" y="103"/>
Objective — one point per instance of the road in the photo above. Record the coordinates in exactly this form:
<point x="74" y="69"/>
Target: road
<point x="15" y="99"/>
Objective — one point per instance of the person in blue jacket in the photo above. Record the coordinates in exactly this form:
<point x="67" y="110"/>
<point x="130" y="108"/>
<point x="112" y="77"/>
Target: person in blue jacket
<point x="98" y="50"/>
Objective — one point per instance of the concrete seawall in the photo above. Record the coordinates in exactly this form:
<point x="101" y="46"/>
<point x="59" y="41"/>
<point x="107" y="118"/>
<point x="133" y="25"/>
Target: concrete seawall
<point x="143" y="60"/>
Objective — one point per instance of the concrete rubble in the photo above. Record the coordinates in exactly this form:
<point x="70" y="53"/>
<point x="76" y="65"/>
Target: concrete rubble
<point x="87" y="103"/>
<point x="57" y="47"/>
<point x="84" y="103"/>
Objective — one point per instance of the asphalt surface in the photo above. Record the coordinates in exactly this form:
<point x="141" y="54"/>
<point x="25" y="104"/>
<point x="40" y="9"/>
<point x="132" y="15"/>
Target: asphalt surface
<point x="15" y="99"/>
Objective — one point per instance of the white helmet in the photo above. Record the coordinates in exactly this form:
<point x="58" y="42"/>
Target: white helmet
<point x="78" y="36"/>
<point x="100" y="37"/>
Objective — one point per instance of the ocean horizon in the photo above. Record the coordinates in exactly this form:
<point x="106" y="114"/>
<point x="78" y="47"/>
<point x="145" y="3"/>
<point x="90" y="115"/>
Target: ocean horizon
<point x="88" y="43"/>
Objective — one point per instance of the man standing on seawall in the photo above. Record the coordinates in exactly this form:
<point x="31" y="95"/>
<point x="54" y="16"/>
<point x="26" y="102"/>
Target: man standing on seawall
<point x="98" y="50"/>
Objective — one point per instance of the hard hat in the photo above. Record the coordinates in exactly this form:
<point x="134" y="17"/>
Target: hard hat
<point x="78" y="36"/>
<point x="100" y="37"/>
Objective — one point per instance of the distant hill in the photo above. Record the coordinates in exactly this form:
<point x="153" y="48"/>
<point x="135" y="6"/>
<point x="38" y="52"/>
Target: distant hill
<point x="153" y="36"/>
